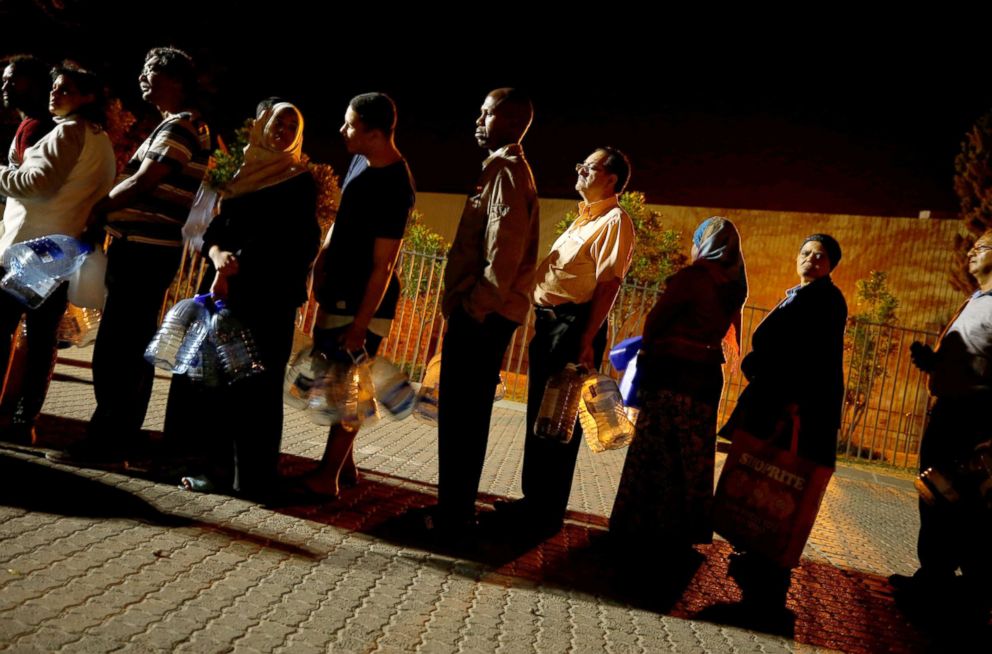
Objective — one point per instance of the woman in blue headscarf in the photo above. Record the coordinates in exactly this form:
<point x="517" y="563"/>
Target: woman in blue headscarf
<point x="666" y="489"/>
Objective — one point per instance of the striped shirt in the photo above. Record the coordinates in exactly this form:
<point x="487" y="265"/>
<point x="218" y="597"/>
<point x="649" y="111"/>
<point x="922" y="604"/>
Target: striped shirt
<point x="182" y="142"/>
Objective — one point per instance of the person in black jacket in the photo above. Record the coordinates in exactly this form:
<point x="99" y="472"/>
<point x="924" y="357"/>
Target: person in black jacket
<point x="795" y="365"/>
<point x="260" y="247"/>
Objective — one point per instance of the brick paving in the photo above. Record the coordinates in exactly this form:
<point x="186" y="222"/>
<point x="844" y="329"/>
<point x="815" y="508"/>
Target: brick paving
<point x="94" y="561"/>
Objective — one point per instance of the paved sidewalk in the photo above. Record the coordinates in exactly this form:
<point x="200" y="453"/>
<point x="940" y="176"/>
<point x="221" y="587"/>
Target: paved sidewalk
<point x="93" y="561"/>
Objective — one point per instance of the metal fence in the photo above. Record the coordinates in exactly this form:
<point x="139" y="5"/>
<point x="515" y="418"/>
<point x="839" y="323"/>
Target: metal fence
<point x="885" y="407"/>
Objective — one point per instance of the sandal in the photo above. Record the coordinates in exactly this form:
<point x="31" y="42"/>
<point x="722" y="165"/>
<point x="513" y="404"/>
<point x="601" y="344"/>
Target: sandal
<point x="197" y="484"/>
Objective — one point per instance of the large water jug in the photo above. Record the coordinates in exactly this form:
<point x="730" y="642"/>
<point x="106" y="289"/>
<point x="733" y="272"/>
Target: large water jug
<point x="604" y="420"/>
<point x="35" y="268"/>
<point x="236" y="350"/>
<point x="302" y="374"/>
<point x="79" y="326"/>
<point x="178" y="339"/>
<point x="560" y="404"/>
<point x="205" y="369"/>
<point x="427" y="396"/>
<point x="360" y="406"/>
<point x="325" y="405"/>
<point x="87" y="286"/>
<point x="392" y="388"/>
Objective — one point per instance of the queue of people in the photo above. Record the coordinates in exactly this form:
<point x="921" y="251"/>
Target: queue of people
<point x="259" y="249"/>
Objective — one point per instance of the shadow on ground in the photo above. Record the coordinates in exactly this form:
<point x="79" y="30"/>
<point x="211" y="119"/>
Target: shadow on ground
<point x="833" y="607"/>
<point x="830" y="607"/>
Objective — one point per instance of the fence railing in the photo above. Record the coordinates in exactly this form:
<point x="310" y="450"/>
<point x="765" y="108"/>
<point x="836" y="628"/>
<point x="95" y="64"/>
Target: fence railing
<point x="885" y="407"/>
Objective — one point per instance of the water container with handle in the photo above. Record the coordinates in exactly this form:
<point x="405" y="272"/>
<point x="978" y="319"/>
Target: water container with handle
<point x="560" y="404"/>
<point x="35" y="268"/>
<point x="602" y="415"/>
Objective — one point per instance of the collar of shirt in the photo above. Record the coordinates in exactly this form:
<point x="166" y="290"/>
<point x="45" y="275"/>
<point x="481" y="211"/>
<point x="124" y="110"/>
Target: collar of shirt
<point x="589" y="211"/>
<point x="505" y="152"/>
<point x="790" y="294"/>
<point x="980" y="293"/>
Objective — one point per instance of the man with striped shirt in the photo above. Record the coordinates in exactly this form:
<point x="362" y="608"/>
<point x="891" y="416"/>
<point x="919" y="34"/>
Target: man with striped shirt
<point x="144" y="213"/>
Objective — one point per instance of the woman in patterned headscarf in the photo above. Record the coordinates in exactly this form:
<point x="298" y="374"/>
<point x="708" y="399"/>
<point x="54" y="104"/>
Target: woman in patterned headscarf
<point x="666" y="489"/>
<point x="259" y="247"/>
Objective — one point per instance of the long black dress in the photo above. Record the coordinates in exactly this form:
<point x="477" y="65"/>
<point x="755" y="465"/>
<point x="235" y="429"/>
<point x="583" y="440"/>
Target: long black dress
<point x="275" y="235"/>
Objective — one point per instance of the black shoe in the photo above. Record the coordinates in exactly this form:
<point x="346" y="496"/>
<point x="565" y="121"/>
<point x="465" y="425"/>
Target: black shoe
<point x="522" y="518"/>
<point x="921" y="583"/>
<point x="18" y="434"/>
<point x="439" y="529"/>
<point x="87" y="454"/>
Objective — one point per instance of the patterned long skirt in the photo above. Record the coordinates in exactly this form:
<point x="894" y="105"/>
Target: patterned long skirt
<point x="666" y="489"/>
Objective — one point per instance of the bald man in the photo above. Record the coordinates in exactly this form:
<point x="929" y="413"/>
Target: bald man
<point x="487" y="284"/>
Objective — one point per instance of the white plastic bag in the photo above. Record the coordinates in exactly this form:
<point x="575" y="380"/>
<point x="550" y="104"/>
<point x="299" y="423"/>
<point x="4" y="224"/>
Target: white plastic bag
<point x="206" y="205"/>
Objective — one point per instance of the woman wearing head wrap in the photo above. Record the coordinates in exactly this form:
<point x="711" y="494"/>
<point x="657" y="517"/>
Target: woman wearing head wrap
<point x="666" y="488"/>
<point x="795" y="363"/>
<point x="260" y="248"/>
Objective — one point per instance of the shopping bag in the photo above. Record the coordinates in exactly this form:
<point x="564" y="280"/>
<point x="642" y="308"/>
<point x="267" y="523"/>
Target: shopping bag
<point x="768" y="496"/>
<point x="206" y="205"/>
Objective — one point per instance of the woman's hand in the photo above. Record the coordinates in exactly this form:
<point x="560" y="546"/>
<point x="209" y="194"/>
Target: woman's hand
<point x="225" y="262"/>
<point x="219" y="287"/>
<point x="353" y="340"/>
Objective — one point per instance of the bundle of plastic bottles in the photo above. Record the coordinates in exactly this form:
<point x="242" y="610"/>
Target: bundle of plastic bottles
<point x="202" y="339"/>
<point x="574" y="394"/>
<point x="35" y="268"/>
<point x="345" y="388"/>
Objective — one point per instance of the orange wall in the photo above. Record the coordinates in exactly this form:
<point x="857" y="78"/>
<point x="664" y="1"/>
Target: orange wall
<point x="915" y="252"/>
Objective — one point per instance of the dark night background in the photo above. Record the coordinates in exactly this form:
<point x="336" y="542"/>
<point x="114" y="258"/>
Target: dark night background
<point x="862" y="120"/>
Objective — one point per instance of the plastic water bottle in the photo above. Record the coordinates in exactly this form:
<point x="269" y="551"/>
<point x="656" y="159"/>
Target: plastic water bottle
<point x="325" y="405"/>
<point x="79" y="326"/>
<point x="179" y="338"/>
<point x="500" y="389"/>
<point x="87" y="285"/>
<point x="205" y="368"/>
<point x="560" y="404"/>
<point x="236" y="350"/>
<point x="35" y="268"/>
<point x="427" y="397"/>
<point x="603" y="416"/>
<point x="302" y="374"/>
<point x="360" y="406"/>
<point x="392" y="388"/>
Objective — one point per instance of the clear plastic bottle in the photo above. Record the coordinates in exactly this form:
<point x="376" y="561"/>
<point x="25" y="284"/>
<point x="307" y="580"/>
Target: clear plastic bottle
<point x="179" y="337"/>
<point x="325" y="405"/>
<point x="205" y="368"/>
<point x="302" y="374"/>
<point x="603" y="416"/>
<point x="35" y="268"/>
<point x="236" y="350"/>
<point x="360" y="406"/>
<point x="392" y="388"/>
<point x="87" y="285"/>
<point x="79" y="326"/>
<point x="560" y="404"/>
<point x="427" y="397"/>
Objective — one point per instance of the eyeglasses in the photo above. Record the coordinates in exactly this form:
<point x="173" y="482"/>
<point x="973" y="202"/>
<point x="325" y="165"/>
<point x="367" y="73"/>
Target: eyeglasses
<point x="585" y="168"/>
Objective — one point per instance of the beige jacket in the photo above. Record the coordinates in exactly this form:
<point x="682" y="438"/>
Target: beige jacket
<point x="491" y="262"/>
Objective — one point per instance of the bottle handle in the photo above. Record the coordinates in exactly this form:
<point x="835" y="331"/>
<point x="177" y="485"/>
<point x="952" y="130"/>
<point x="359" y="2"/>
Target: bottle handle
<point x="361" y="357"/>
